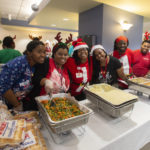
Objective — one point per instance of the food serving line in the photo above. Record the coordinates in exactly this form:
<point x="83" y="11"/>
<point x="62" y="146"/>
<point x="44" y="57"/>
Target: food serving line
<point x="109" y="119"/>
<point x="141" y="85"/>
<point x="103" y="132"/>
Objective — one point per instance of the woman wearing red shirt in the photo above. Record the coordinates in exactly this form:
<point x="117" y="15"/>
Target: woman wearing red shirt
<point x="79" y="68"/>
<point x="57" y="79"/>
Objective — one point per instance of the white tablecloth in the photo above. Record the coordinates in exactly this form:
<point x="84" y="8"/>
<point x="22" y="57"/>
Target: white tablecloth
<point x="102" y="132"/>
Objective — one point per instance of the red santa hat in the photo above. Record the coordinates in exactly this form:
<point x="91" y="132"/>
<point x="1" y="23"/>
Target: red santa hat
<point x="97" y="47"/>
<point x="78" y="44"/>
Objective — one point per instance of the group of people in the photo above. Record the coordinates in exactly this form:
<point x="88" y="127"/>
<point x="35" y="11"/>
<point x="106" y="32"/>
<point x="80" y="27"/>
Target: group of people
<point x="135" y="63"/>
<point x="34" y="74"/>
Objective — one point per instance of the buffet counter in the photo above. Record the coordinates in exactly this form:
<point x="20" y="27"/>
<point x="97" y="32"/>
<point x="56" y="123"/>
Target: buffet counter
<point x="102" y="132"/>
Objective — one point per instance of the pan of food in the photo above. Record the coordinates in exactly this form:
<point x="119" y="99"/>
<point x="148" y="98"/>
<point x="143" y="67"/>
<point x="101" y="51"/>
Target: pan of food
<point x="64" y="113"/>
<point x="111" y="100"/>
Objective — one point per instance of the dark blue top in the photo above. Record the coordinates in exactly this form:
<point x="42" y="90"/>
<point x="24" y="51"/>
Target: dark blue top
<point x="16" y="75"/>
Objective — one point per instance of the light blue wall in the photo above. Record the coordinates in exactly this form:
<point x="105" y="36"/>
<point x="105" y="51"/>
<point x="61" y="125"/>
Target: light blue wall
<point x="91" y="21"/>
<point x="103" y="21"/>
<point x="112" y="28"/>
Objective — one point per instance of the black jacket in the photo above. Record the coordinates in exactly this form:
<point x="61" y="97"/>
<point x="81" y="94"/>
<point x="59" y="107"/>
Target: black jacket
<point x="40" y="72"/>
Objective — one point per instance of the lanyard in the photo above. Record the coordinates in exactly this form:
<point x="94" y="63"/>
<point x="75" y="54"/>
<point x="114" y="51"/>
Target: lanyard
<point x="104" y="71"/>
<point x="60" y="73"/>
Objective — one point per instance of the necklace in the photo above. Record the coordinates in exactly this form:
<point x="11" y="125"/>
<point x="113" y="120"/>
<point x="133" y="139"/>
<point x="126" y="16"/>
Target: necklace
<point x="104" y="71"/>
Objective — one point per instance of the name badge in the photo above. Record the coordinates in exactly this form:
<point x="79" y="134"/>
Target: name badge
<point x="25" y="83"/>
<point x="146" y="59"/>
<point x="79" y="75"/>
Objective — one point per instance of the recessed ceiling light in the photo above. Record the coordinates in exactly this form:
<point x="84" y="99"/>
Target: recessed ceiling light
<point x="65" y="19"/>
<point x="53" y="25"/>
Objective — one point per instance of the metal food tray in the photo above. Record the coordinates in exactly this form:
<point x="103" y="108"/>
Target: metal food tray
<point x="112" y="110"/>
<point x="106" y="101"/>
<point x="109" y="109"/>
<point x="140" y="87"/>
<point x="115" y="106"/>
<point x="66" y="124"/>
<point x="140" y="84"/>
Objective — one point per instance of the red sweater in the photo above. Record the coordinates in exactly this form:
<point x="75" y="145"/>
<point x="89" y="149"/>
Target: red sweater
<point x="80" y="75"/>
<point x="141" y="63"/>
<point x="59" y="78"/>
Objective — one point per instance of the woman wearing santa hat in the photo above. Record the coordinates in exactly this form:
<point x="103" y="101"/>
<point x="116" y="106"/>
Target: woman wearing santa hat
<point x="106" y="69"/>
<point x="48" y="48"/>
<point x="125" y="55"/>
<point x="79" y="68"/>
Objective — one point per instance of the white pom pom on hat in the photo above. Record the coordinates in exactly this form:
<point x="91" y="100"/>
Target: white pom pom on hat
<point x="97" y="47"/>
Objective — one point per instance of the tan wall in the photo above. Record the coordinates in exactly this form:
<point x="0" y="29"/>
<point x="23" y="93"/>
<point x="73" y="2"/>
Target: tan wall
<point x="22" y="35"/>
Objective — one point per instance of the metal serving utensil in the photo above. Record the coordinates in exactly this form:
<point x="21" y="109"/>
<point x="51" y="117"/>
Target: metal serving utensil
<point x="52" y="103"/>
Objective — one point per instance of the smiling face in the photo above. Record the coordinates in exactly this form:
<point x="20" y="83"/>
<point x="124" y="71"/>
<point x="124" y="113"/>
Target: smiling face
<point x="83" y="54"/>
<point x="100" y="55"/>
<point x="145" y="48"/>
<point x="122" y="46"/>
<point x="38" y="54"/>
<point x="61" y="56"/>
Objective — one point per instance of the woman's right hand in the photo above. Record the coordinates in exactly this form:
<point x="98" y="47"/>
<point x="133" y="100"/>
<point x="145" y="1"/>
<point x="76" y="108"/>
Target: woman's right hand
<point x="48" y="86"/>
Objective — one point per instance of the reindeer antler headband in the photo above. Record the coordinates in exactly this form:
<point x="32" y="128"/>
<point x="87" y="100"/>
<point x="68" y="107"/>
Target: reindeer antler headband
<point x="147" y="35"/>
<point x="60" y="43"/>
<point x="59" y="39"/>
<point x="14" y="37"/>
<point x="32" y="37"/>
